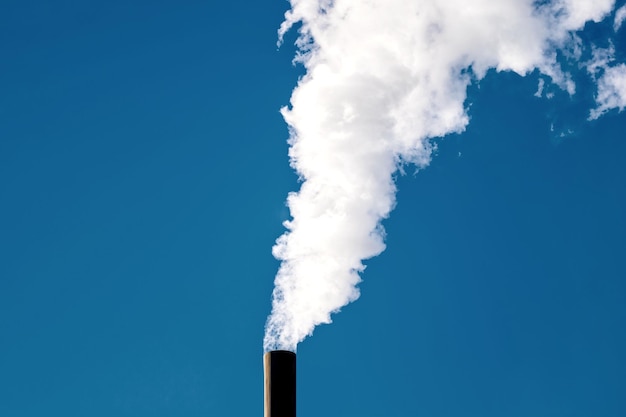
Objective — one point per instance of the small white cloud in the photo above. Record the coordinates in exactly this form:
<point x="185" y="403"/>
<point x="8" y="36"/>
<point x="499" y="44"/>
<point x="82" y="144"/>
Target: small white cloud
<point x="601" y="58"/>
<point x="540" y="87"/>
<point x="611" y="91"/>
<point x="620" y="16"/>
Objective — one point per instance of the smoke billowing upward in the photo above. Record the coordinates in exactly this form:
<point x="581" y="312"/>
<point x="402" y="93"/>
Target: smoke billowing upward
<point x="384" y="77"/>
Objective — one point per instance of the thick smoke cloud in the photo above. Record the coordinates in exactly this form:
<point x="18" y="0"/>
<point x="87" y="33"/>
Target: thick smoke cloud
<point x="384" y="77"/>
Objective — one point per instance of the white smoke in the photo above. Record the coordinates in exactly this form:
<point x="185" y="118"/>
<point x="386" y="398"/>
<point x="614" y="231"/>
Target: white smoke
<point x="383" y="77"/>
<point x="611" y="81"/>
<point x="620" y="16"/>
<point x="611" y="91"/>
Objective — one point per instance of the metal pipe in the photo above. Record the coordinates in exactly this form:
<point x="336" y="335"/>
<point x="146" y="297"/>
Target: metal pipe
<point x="279" y="369"/>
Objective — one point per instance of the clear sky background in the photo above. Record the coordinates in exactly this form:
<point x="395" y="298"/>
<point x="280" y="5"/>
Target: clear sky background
<point x="143" y="173"/>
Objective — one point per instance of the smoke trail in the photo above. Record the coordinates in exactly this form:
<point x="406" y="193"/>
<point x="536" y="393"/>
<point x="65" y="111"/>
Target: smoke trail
<point x="382" y="78"/>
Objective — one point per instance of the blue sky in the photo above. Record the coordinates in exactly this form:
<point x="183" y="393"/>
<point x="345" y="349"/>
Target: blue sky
<point x="143" y="175"/>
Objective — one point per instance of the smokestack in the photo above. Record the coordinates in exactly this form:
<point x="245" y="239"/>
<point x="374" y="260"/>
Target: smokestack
<point x="279" y="368"/>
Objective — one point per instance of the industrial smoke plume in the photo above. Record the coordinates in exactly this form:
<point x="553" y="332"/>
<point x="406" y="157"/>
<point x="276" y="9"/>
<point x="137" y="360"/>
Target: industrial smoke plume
<point x="384" y="77"/>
